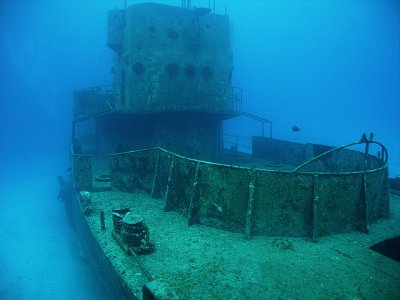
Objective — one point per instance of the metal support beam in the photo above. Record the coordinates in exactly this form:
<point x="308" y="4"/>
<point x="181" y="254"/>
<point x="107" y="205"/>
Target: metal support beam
<point x="168" y="205"/>
<point x="250" y="203"/>
<point x="194" y="200"/>
<point x="155" y="176"/>
<point x="315" y="219"/>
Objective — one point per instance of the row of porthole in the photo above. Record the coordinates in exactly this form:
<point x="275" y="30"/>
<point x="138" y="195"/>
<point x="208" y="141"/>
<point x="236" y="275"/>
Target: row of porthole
<point x="173" y="71"/>
<point x="172" y="34"/>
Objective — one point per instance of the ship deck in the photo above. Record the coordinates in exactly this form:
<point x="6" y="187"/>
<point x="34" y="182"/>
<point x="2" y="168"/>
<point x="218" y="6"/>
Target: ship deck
<point x="201" y="262"/>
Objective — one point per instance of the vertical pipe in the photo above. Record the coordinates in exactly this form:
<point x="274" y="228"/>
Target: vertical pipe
<point x="270" y="130"/>
<point x="195" y="199"/>
<point x="314" y="222"/>
<point x="155" y="175"/>
<point x="366" y="156"/>
<point x="262" y="128"/>
<point x="167" y="206"/>
<point x="363" y="215"/>
<point x="250" y="202"/>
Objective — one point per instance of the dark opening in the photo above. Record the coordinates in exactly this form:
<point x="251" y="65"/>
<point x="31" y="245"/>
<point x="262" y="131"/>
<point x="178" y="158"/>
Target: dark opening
<point x="138" y="68"/>
<point x="172" y="70"/>
<point x="190" y="71"/>
<point x="172" y="34"/>
<point x="207" y="73"/>
<point x="319" y="149"/>
<point x="390" y="248"/>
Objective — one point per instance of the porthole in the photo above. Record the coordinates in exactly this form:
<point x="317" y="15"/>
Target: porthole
<point x="172" y="34"/>
<point x="172" y="70"/>
<point x="190" y="71"/>
<point x="138" y="68"/>
<point x="207" y="73"/>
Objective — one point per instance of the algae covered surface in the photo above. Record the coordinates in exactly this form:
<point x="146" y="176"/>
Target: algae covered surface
<point x="201" y="262"/>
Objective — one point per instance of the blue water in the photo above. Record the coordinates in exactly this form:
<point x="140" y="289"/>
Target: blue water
<point x="330" y="67"/>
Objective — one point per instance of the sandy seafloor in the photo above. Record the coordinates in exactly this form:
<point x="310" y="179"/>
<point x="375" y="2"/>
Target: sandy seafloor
<point x="39" y="254"/>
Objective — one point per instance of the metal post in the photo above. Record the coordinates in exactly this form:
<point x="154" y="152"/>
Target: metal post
<point x="363" y="215"/>
<point x="249" y="213"/>
<point x="167" y="206"/>
<point x="270" y="128"/>
<point x="262" y="128"/>
<point x="314" y="224"/>
<point x="194" y="200"/>
<point x="366" y="156"/>
<point x="155" y="176"/>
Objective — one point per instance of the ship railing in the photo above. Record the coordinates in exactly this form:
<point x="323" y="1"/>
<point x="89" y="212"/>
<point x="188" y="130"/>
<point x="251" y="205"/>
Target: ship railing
<point x="235" y="197"/>
<point x="92" y="101"/>
<point x="262" y="120"/>
<point x="382" y="155"/>
<point x="235" y="143"/>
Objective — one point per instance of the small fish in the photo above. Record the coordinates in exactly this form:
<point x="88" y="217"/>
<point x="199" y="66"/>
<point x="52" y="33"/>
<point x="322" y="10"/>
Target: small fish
<point x="295" y="128"/>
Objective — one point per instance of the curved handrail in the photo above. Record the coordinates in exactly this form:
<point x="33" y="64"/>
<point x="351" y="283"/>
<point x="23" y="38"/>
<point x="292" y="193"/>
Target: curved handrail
<point x="363" y="140"/>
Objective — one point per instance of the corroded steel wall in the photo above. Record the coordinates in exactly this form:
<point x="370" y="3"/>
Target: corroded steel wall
<point x="339" y="199"/>
<point x="282" y="203"/>
<point x="224" y="192"/>
<point x="82" y="172"/>
<point x="133" y="171"/>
